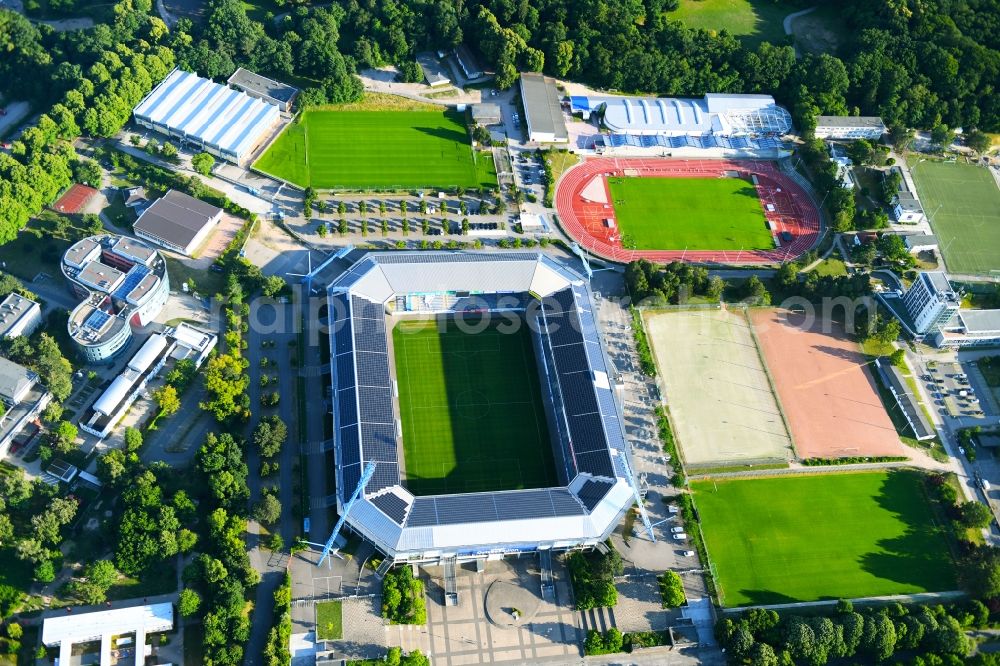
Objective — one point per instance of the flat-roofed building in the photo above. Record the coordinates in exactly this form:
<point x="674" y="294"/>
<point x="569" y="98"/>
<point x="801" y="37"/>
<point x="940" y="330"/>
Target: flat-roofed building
<point x="280" y="94"/>
<point x="178" y="222"/>
<point x="115" y="629"/>
<point x="906" y="207"/>
<point x="19" y="316"/>
<point x="970" y="328"/>
<point x="23" y="400"/>
<point x="227" y="123"/>
<point x="849" y="127"/>
<point x="542" y="111"/>
<point x="122" y="282"/>
<point x="434" y="73"/>
<point x="486" y="114"/>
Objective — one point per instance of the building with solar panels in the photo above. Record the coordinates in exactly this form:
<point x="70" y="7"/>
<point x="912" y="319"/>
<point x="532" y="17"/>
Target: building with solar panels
<point x="122" y="282"/>
<point x="591" y="490"/>
<point x="227" y="123"/>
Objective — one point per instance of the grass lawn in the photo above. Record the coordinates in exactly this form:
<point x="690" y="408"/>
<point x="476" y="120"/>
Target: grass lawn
<point x="963" y="204"/>
<point x="754" y="20"/>
<point x="329" y="621"/>
<point x="160" y="579"/>
<point x="39" y="247"/>
<point x="471" y="408"/>
<point x="377" y="150"/>
<point x="824" y="536"/>
<point x="15" y="580"/>
<point x="692" y="213"/>
<point x="831" y="266"/>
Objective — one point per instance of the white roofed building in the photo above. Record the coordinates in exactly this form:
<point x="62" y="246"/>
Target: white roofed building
<point x="227" y="123"/>
<point x="114" y="629"/>
<point x="19" y="316"/>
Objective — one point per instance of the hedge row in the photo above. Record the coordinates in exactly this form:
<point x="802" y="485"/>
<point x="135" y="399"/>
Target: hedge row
<point x="613" y="641"/>
<point x="669" y="444"/>
<point x="642" y="344"/>
<point x="851" y="460"/>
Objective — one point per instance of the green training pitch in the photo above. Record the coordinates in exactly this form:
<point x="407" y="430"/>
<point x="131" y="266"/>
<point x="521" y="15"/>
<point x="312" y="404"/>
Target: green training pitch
<point x="378" y="150"/>
<point x="963" y="203"/>
<point x="658" y="213"/>
<point x="471" y="407"/>
<point x="824" y="536"/>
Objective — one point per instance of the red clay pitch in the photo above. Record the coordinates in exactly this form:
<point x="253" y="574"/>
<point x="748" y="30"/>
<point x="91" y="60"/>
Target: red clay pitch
<point x="825" y="389"/>
<point x="74" y="200"/>
<point x="584" y="218"/>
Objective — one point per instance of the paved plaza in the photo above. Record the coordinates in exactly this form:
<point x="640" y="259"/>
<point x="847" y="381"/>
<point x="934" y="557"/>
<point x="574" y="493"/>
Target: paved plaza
<point x="463" y="634"/>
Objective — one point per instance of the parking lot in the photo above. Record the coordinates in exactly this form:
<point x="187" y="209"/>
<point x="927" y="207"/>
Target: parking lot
<point x="953" y="391"/>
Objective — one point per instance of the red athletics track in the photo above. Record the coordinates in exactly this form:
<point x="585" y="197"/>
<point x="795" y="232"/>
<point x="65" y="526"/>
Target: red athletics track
<point x="794" y="210"/>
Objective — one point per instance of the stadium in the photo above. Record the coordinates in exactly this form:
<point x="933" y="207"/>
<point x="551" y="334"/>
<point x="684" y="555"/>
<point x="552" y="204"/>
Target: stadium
<point x="478" y="388"/>
<point x="714" y="211"/>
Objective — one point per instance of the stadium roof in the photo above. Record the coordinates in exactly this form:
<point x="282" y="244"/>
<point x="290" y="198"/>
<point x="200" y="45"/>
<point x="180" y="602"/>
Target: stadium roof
<point x="176" y="218"/>
<point x="723" y="115"/>
<point x="204" y="111"/>
<point x="263" y="86"/>
<point x="589" y="426"/>
<point x="541" y="106"/>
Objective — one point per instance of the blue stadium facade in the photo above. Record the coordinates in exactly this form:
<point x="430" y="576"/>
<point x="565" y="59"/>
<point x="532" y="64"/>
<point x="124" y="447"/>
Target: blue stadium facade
<point x="584" y="416"/>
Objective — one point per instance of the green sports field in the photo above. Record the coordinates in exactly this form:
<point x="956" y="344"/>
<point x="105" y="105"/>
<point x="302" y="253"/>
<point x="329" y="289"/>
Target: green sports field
<point x="378" y="150"/>
<point x="472" y="411"/>
<point x="823" y="536"/>
<point x="689" y="213"/>
<point x="963" y="204"/>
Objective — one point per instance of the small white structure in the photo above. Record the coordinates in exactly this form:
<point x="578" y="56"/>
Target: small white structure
<point x="65" y="631"/>
<point x="19" y="316"/>
<point x="192" y="342"/>
<point x="921" y="242"/>
<point x="849" y="127"/>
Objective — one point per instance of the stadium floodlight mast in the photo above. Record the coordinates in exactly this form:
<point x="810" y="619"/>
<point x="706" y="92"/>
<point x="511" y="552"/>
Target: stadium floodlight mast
<point x="365" y="478"/>
<point x="638" y="497"/>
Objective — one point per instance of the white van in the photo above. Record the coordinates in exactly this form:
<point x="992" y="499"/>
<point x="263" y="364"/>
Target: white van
<point x="680" y="536"/>
<point x="677" y="530"/>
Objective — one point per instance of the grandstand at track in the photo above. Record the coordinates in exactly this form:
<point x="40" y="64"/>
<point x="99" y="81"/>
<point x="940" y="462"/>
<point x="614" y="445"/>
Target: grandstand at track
<point x="584" y="208"/>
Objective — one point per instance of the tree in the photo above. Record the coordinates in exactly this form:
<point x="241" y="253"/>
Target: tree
<point x="321" y="230"/>
<point x="226" y="382"/>
<point x="975" y="515"/>
<point x="98" y="577"/>
<point x="267" y="510"/>
<point x="272" y="286"/>
<point x="202" y="163"/>
<point x="716" y="287"/>
<point x="978" y="141"/>
<point x="167" y="399"/>
<point x="942" y="135"/>
<point x="169" y="150"/>
<point x="112" y="467"/>
<point x="188" y="603"/>
<point x="671" y="589"/>
<point x="762" y="654"/>
<point x="63" y="436"/>
<point x="756" y="291"/>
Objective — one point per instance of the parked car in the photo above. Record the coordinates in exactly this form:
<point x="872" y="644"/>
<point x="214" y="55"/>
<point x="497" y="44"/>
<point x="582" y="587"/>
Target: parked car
<point x="677" y="530"/>
<point x="673" y="508"/>
<point x="680" y="536"/>
<point x="687" y="553"/>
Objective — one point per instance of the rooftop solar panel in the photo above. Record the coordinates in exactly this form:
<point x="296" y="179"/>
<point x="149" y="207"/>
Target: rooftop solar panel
<point x="378" y="442"/>
<point x="338" y="306"/>
<point x="366" y="309"/>
<point x="570" y="359"/>
<point x="350" y="450"/>
<point x="347" y="407"/>
<point x="564" y="329"/>
<point x="376" y="404"/>
<point x="373" y="369"/>
<point x="386" y="476"/>
<point x="350" y="477"/>
<point x="369" y="335"/>
<point x="578" y="394"/>
<point x="345" y="370"/>
<point x="391" y="505"/>
<point x="564" y="504"/>
<point x="587" y="433"/>
<point x="131" y="281"/>
<point x="469" y="508"/>
<point x="597" y="463"/>
<point x="592" y="492"/>
<point x="96" y="319"/>
<point x="423" y="512"/>
<point x="343" y="337"/>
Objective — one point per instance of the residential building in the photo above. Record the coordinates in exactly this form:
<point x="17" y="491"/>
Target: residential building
<point x="23" y="400"/>
<point x="434" y="74"/>
<point x="849" y="127"/>
<point x="921" y="242"/>
<point x="542" y="111"/>
<point x="178" y="222"/>
<point x="19" y="316"/>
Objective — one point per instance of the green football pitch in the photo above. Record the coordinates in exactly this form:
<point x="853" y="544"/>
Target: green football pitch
<point x="825" y="536"/>
<point x="472" y="411"/>
<point x="658" y="213"/>
<point x="378" y="150"/>
<point x="963" y="204"/>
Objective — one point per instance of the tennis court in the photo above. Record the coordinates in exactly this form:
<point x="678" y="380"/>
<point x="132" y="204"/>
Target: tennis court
<point x="471" y="409"/>
<point x="721" y="404"/>
<point x="962" y="202"/>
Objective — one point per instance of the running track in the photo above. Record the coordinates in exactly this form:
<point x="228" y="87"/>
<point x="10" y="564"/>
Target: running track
<point x="794" y="210"/>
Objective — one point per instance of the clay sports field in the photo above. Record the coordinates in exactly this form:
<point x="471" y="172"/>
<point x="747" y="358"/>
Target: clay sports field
<point x="825" y="388"/>
<point x="603" y="189"/>
<point x="721" y="404"/>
